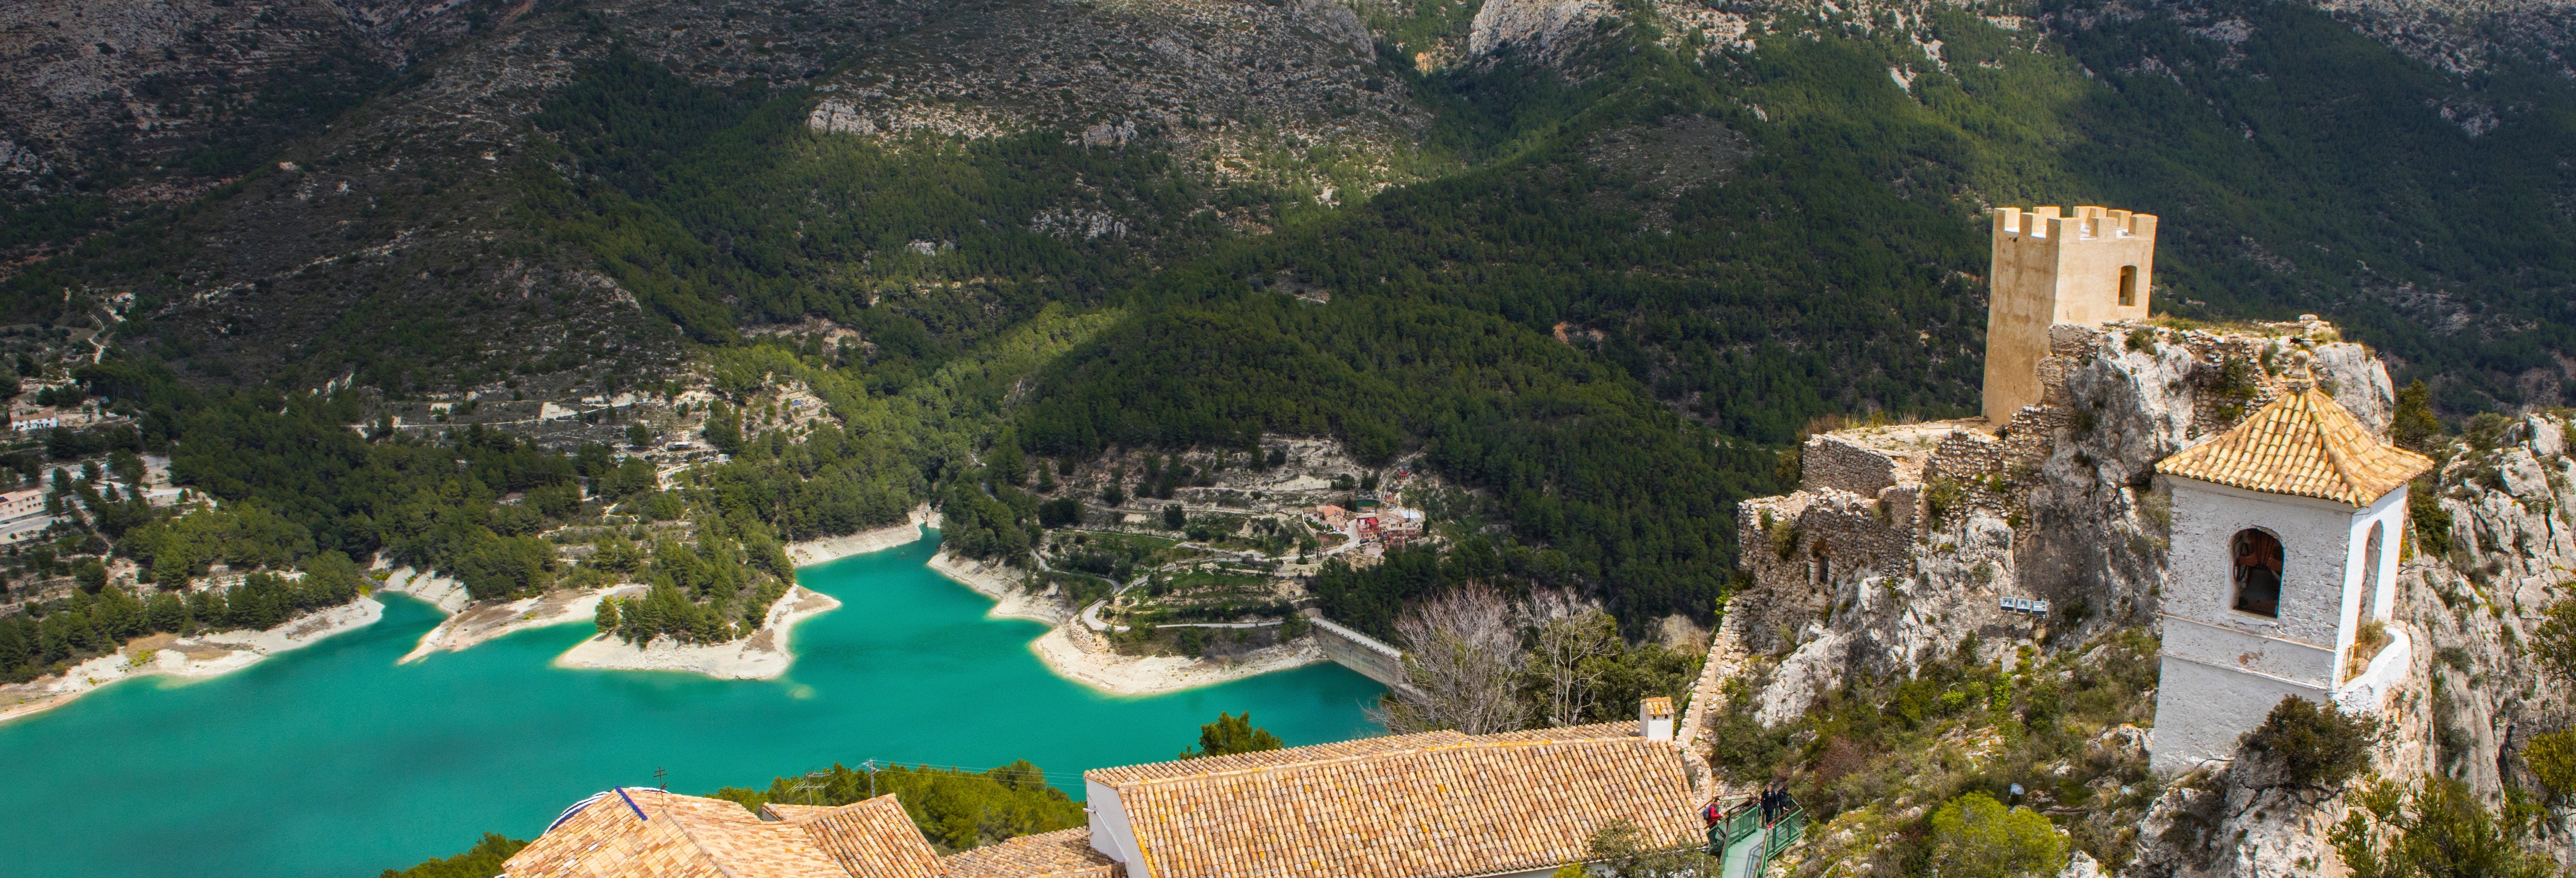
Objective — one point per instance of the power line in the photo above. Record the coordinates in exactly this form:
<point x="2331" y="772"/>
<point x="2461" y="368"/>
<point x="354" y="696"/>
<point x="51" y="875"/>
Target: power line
<point x="879" y="763"/>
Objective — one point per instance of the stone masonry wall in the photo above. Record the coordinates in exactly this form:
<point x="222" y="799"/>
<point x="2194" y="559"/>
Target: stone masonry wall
<point x="1830" y="461"/>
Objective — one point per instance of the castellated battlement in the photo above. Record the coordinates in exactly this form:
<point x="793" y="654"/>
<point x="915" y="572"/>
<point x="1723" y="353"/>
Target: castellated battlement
<point x="2085" y="268"/>
<point x="2046" y="227"/>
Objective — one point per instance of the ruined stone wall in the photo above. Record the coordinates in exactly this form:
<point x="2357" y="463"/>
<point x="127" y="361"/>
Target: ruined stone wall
<point x="1830" y="461"/>
<point x="1802" y="552"/>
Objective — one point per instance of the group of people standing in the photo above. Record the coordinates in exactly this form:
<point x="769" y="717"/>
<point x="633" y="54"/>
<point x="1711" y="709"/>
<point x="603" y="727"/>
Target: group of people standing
<point x="1774" y="801"/>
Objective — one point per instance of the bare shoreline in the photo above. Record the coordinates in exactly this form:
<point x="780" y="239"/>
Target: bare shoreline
<point x="445" y="593"/>
<point x="1154" y="675"/>
<point x="763" y="656"/>
<point x="1090" y="663"/>
<point x="476" y="624"/>
<point x="202" y="657"/>
<point x="811" y="552"/>
<point x="1003" y="585"/>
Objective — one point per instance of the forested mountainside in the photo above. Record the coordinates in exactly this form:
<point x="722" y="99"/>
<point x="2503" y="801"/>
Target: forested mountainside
<point x="1596" y="262"/>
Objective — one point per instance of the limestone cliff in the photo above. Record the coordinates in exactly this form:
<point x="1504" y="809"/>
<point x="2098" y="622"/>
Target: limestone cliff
<point x="1543" y="29"/>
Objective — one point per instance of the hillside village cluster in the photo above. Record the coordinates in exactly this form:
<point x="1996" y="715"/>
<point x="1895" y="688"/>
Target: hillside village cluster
<point x="28" y="514"/>
<point x="2287" y="512"/>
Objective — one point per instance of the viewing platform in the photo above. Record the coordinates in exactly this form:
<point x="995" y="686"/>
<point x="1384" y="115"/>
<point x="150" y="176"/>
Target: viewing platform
<point x="1749" y="848"/>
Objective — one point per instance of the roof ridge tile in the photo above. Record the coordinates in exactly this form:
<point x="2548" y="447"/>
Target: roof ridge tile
<point x="2305" y="444"/>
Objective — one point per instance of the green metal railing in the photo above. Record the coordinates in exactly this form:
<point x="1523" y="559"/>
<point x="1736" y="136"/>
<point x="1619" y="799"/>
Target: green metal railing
<point x="1745" y="847"/>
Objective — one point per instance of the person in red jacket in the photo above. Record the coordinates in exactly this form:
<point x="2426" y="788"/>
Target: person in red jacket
<point x="1715" y="814"/>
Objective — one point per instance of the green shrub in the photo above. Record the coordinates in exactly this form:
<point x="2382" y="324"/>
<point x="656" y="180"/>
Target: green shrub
<point x="2553" y="643"/>
<point x="2316" y="746"/>
<point x="2236" y="379"/>
<point x="2552" y="758"/>
<point x="956" y="808"/>
<point x="2432" y="522"/>
<point x="482" y="861"/>
<point x="1975" y="836"/>
<point x="1230" y="735"/>
<point x="2414" y="427"/>
<point x="1060" y="512"/>
<point x="1784" y="539"/>
<point x="2437" y="828"/>
<point x="1942" y="497"/>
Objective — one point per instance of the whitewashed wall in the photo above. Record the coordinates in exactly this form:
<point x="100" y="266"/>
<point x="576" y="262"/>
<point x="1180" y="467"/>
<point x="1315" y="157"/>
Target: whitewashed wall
<point x="1110" y="834"/>
<point x="2223" y="669"/>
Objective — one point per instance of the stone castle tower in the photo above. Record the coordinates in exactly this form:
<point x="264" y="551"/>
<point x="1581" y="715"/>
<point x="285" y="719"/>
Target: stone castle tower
<point x="2089" y="268"/>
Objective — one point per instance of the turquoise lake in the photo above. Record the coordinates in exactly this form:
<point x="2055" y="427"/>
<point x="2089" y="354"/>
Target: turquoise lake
<point x="334" y="761"/>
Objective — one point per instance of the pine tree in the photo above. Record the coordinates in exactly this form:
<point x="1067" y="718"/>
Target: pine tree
<point x="2414" y="426"/>
<point x="1230" y="735"/>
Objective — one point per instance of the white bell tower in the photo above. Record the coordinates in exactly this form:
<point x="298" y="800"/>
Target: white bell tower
<point x="2285" y="535"/>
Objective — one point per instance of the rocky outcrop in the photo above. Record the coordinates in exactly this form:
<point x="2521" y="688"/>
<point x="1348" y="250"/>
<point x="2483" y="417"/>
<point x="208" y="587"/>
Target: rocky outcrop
<point x="1546" y="30"/>
<point x="2475" y="698"/>
<point x="1903" y="541"/>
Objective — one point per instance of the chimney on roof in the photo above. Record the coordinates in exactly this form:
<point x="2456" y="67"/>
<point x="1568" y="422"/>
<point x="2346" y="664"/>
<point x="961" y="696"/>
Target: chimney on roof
<point x="1655" y="718"/>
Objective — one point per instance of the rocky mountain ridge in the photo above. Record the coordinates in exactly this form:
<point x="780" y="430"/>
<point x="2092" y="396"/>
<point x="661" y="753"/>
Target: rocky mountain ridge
<point x="1254" y="105"/>
<point x="117" y="93"/>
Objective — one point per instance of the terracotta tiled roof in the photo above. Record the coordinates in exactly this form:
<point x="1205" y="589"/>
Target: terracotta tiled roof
<point x="680" y="836"/>
<point x="1064" y="853"/>
<point x="603" y="837"/>
<point x="1437" y="808"/>
<point x="872" y="839"/>
<point x="1567" y="733"/>
<point x="1311" y="753"/>
<point x="2303" y="444"/>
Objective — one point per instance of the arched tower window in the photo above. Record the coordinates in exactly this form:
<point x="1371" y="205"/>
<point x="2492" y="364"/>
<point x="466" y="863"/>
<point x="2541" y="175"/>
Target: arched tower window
<point x="2258" y="572"/>
<point x="2370" y="561"/>
<point x="2128" y="286"/>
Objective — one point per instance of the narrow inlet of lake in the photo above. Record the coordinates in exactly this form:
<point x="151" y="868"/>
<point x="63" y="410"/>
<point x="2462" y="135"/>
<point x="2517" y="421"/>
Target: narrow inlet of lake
<point x="335" y="761"/>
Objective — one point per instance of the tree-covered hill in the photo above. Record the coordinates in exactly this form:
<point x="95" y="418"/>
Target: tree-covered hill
<point x="1596" y="279"/>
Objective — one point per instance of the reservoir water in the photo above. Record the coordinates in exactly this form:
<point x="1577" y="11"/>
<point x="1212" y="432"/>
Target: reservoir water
<point x="335" y="761"/>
